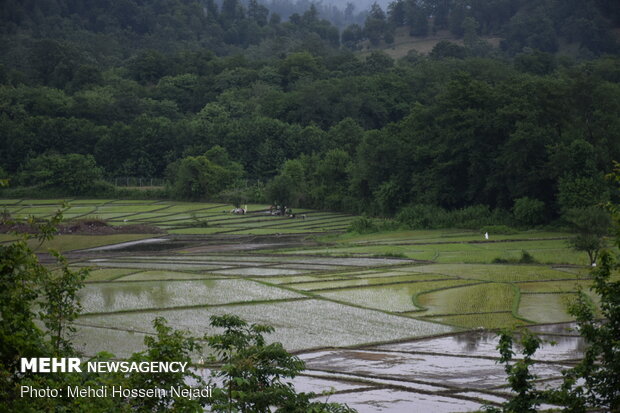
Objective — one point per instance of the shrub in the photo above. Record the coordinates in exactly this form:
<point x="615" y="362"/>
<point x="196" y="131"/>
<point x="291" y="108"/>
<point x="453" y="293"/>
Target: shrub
<point x="499" y="229"/>
<point x="433" y="217"/>
<point x="528" y="211"/>
<point x="362" y="225"/>
<point x="472" y="217"/>
<point x="202" y="177"/>
<point x="72" y="173"/>
<point x="526" y="258"/>
<point x="422" y="217"/>
<point x="591" y="224"/>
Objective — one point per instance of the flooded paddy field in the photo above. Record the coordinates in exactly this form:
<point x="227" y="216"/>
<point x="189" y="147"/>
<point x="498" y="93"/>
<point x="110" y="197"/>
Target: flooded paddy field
<point x="397" y="321"/>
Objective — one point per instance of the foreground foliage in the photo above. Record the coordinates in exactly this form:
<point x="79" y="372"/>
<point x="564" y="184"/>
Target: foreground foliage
<point x="254" y="374"/>
<point x="253" y="371"/>
<point x="595" y="381"/>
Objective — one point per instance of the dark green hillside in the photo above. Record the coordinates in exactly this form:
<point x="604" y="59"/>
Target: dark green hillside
<point x="139" y="89"/>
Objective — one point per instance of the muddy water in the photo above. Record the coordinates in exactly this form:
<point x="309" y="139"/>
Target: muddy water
<point x="124" y="296"/>
<point x="453" y="373"/>
<point x="484" y="344"/>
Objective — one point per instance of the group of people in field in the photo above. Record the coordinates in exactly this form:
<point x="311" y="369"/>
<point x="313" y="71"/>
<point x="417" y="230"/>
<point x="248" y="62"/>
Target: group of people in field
<point x="278" y="210"/>
<point x="282" y="210"/>
<point x="240" y="211"/>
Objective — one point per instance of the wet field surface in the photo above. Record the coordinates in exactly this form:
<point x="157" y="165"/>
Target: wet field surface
<point x="396" y="321"/>
<point x="458" y="372"/>
<point x="352" y="320"/>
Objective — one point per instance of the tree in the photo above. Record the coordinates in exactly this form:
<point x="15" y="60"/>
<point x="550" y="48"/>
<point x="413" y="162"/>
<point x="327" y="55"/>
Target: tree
<point x="167" y="345"/>
<point x="351" y="36"/>
<point x="25" y="286"/>
<point x="301" y="65"/>
<point x="280" y="190"/>
<point x="61" y="306"/>
<point x="600" y="367"/>
<point x="417" y="19"/>
<point x="375" y="25"/>
<point x="148" y="67"/>
<point x="378" y="61"/>
<point x="397" y="13"/>
<point x="254" y="374"/>
<point x="72" y="173"/>
<point x="591" y="225"/>
<point x="445" y="49"/>
<point x="528" y="211"/>
<point x="203" y="176"/>
<point x="470" y="32"/>
<point x="594" y="383"/>
<point x="520" y="378"/>
<point x="258" y="12"/>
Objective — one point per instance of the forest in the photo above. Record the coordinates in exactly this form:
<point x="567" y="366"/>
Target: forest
<point x="233" y="100"/>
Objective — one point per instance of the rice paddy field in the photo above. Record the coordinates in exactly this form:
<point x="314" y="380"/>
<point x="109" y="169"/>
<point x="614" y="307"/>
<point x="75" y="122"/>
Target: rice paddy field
<point x="374" y="316"/>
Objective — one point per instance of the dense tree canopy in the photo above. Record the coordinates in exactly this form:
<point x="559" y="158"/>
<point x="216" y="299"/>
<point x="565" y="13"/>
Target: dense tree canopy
<point x="145" y="89"/>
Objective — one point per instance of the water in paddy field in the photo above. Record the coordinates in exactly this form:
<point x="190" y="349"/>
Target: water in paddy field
<point x="124" y="296"/>
<point x="393" y="361"/>
<point x="457" y="372"/>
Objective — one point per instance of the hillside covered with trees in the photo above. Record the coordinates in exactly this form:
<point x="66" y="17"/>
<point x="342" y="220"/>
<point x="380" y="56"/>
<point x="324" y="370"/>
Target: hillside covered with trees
<point x="232" y="98"/>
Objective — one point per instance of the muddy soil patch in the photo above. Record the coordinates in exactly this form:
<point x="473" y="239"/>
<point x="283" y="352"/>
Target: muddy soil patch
<point x="84" y="227"/>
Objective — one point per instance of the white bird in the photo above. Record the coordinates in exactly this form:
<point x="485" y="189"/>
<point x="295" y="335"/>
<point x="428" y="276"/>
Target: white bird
<point x="486" y="235"/>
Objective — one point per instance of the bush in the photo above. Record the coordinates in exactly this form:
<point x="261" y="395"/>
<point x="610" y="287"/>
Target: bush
<point x="72" y="174"/>
<point x="362" y="225"/>
<point x="472" y="217"/>
<point x="591" y="225"/>
<point x="202" y="177"/>
<point x="526" y="258"/>
<point x="499" y="229"/>
<point x="528" y="211"/>
<point x="423" y="217"/>
<point x="433" y="217"/>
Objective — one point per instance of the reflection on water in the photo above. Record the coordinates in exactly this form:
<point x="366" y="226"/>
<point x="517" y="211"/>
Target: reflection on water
<point x="470" y="341"/>
<point x="157" y="294"/>
<point x="122" y="296"/>
<point x="484" y="344"/>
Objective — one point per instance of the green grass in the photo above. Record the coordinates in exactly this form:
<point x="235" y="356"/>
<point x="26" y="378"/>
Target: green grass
<point x="547" y="251"/>
<point x="397" y="298"/>
<point x="196" y="231"/>
<point x="97" y="298"/>
<point x="289" y="279"/>
<point x="133" y="201"/>
<point x="269" y="231"/>
<point x="163" y="275"/>
<point x="79" y="201"/>
<point x="8" y="238"/>
<point x="460" y="288"/>
<point x="6" y="202"/>
<point x="554" y="286"/>
<point x="469" y="299"/>
<point x="300" y="324"/>
<point x="55" y="202"/>
<point x="126" y="209"/>
<point x="495" y="272"/>
<point x="442" y="235"/>
<point x="334" y="284"/>
<point x="490" y="320"/>
<point x="65" y="243"/>
<point x="106" y="274"/>
<point x="545" y="308"/>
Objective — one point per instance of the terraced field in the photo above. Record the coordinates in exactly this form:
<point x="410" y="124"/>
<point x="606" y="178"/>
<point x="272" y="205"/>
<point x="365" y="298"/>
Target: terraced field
<point x="447" y="277"/>
<point x="329" y="291"/>
<point x="183" y="218"/>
